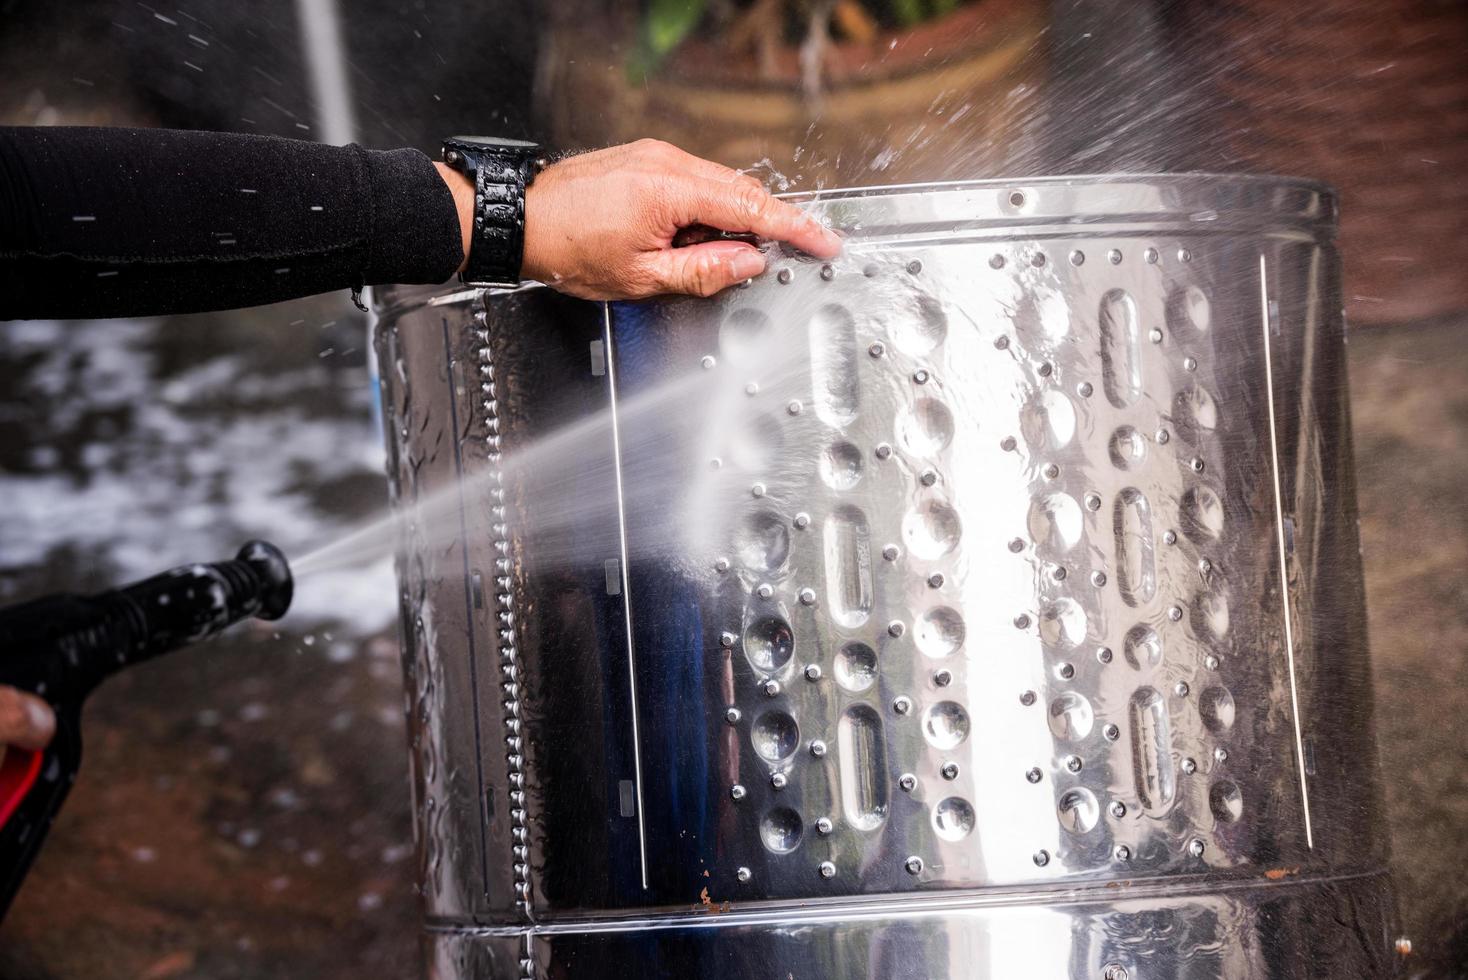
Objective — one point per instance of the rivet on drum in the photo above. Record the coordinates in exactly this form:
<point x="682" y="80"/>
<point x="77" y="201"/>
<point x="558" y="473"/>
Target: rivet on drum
<point x="752" y="389"/>
<point x="737" y="792"/>
<point x="1111" y="733"/>
<point x="877" y="349"/>
<point x="1150" y="256"/>
<point x="935" y="581"/>
<point x="778" y="780"/>
<point x="827" y="273"/>
<point x="1027" y="698"/>
<point x="996" y="261"/>
<point x="721" y="565"/>
<point x="1155" y="335"/>
<point x="1122" y="852"/>
<point x="1077" y="257"/>
<point x="1033" y="775"/>
<point x="784" y="276"/>
<point x="914" y="865"/>
<point x="1085" y="389"/>
<point x="920" y="376"/>
<point x="907" y="782"/>
<point x="949" y="771"/>
<point x="1103" y="654"/>
<point x="793" y="407"/>
<point x="914" y="267"/>
<point x="1041" y="858"/>
<point x="827" y="869"/>
<point x="902" y="704"/>
<point x="1001" y="342"/>
<point x="771" y="688"/>
<point x="744" y="875"/>
<point x="1022" y="621"/>
<point x="813" y="672"/>
<point x="732" y="715"/>
<point x="818" y="749"/>
<point x="883" y="451"/>
<point x="895" y="628"/>
<point x="765" y="590"/>
<point x="890" y="552"/>
<point x="824" y="826"/>
<point x="1118" y="809"/>
<point x="1114" y="256"/>
<point x="1074" y="763"/>
<point x="1008" y="443"/>
<point x="1066" y="671"/>
<point x="943" y="678"/>
<point x="1189" y="766"/>
<point x="708" y="361"/>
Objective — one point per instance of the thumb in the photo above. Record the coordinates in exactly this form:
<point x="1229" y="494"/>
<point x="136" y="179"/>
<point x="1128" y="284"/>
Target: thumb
<point x="25" y="720"/>
<point x="702" y="270"/>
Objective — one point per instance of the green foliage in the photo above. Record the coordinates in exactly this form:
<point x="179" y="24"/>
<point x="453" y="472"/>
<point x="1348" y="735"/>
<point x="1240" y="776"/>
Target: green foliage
<point x="910" y="12"/>
<point x="665" y="25"/>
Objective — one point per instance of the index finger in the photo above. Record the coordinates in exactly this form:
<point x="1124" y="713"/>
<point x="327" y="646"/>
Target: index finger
<point x="745" y="206"/>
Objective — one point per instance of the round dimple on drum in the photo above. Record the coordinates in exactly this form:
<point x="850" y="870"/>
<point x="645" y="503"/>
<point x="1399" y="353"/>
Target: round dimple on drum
<point x="925" y="427"/>
<point x="1202" y="514"/>
<point x="775" y="736"/>
<point x="1142" y="647"/>
<point x="763" y="543"/>
<point x="921" y="326"/>
<point x="745" y="335"/>
<point x="1078" y="810"/>
<point x="1063" y="623"/>
<point x="939" y="632"/>
<point x="1055" y="521"/>
<point x="1195" y="409"/>
<point x="1210" y="616"/>
<point x="1188" y="310"/>
<point x="1128" y="448"/>
<point x="769" y="643"/>
<point x="841" y="466"/>
<point x="945" y="725"/>
<point x="856" y="667"/>
<point x="1049" y="420"/>
<point x="1216" y="706"/>
<point x="780" y="829"/>
<point x="1225" y="800"/>
<point x="932" y="530"/>
<point x="1071" y="717"/>
<point x="953" y="818"/>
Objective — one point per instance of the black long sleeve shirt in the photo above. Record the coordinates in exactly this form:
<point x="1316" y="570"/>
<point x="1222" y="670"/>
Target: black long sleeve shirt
<point x="131" y="222"/>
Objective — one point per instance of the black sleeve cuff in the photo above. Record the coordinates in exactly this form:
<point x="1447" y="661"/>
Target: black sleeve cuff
<point x="414" y="234"/>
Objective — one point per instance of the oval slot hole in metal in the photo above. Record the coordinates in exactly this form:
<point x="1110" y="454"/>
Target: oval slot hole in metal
<point x="1151" y="736"/>
<point x="1121" y="348"/>
<point x="863" y="767"/>
<point x="848" y="558"/>
<point x="1136" y="553"/>
<point x="833" y="370"/>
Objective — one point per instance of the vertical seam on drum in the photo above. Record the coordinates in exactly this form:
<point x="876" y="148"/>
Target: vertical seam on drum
<point x="626" y="587"/>
<point x="1284" y="582"/>
<point x="505" y="629"/>
<point x="448" y="353"/>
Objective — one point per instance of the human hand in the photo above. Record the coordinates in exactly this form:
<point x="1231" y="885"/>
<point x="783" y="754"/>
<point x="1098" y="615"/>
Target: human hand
<point x="26" y="721"/>
<point x="600" y="225"/>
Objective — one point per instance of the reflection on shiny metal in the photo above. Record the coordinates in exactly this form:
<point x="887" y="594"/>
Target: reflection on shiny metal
<point x="1031" y="644"/>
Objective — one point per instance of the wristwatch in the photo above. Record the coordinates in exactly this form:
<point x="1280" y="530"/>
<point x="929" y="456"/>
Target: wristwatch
<point x="501" y="170"/>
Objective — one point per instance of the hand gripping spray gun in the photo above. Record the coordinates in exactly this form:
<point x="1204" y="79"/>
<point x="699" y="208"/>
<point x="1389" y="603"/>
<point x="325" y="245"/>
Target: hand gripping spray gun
<point x="61" y="647"/>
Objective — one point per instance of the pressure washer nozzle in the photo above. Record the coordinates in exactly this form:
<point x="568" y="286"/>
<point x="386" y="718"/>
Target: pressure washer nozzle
<point x="277" y="586"/>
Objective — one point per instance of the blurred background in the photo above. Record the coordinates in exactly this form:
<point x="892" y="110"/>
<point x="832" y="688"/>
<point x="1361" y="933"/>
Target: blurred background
<point x="244" y="808"/>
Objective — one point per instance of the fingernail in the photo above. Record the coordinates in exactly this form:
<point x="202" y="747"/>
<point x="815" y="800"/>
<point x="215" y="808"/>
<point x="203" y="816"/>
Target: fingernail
<point x="746" y="264"/>
<point x="42" y="720"/>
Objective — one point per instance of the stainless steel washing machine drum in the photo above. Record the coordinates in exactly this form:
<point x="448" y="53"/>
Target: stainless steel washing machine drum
<point x="983" y="604"/>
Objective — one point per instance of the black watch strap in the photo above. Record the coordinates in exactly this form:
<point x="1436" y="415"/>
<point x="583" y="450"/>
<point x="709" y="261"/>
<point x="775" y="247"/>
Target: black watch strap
<point x="501" y="171"/>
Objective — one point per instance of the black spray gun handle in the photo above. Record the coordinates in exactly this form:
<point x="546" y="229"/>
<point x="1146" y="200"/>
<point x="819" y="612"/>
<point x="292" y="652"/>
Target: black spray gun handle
<point x="61" y="647"/>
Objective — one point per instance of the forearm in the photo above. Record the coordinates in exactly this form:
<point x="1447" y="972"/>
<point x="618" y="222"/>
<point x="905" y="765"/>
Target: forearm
<point x="137" y="222"/>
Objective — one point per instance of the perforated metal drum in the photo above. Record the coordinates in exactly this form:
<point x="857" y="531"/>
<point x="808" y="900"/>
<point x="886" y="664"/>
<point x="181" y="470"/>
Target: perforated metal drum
<point x="985" y="604"/>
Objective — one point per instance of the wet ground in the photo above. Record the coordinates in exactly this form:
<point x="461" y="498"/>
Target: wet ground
<point x="244" y="807"/>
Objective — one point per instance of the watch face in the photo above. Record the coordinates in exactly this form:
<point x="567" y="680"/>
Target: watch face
<point x="492" y="142"/>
